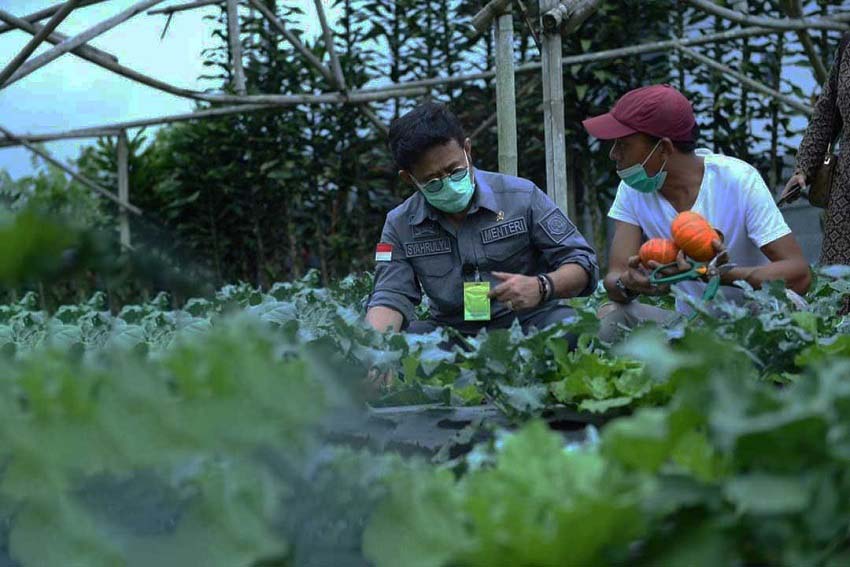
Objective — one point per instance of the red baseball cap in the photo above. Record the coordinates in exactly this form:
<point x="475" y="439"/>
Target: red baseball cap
<point x="658" y="110"/>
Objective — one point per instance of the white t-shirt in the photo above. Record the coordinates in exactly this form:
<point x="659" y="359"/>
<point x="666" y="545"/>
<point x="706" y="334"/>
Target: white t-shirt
<point x="732" y="197"/>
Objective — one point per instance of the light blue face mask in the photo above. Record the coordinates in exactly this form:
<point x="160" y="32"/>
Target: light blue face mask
<point x="638" y="179"/>
<point x="452" y="193"/>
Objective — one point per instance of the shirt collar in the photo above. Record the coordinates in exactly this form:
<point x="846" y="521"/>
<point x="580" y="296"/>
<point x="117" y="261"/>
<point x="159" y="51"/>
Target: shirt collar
<point x="483" y="198"/>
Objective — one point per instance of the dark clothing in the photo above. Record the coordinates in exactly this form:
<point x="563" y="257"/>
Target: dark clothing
<point x="512" y="226"/>
<point x="831" y="112"/>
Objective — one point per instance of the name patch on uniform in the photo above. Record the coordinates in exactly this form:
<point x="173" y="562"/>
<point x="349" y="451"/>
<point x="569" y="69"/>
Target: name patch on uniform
<point x="504" y="230"/>
<point x="557" y="226"/>
<point x="421" y="230"/>
<point x="428" y="247"/>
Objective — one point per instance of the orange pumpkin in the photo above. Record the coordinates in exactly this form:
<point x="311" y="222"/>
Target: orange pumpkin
<point x="693" y="234"/>
<point x="660" y="250"/>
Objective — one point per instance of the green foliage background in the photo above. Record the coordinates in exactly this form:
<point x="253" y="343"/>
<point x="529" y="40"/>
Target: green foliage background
<point x="266" y="196"/>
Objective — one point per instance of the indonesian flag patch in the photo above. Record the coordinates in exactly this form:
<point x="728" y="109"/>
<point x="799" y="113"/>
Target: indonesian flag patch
<point x="384" y="252"/>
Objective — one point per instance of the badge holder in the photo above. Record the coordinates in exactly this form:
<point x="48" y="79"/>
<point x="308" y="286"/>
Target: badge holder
<point x="476" y="300"/>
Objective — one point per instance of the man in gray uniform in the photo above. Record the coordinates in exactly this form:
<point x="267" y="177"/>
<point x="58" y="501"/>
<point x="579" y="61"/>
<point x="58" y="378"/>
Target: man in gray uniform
<point x="486" y="248"/>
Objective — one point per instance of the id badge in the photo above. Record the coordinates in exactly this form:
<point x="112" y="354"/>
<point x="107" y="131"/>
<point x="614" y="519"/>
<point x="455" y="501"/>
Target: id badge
<point x="476" y="303"/>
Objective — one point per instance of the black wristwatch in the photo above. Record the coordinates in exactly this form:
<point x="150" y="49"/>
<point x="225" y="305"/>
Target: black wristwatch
<point x="629" y="294"/>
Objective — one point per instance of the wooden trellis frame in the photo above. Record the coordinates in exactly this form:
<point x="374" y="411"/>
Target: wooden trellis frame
<point x="557" y="17"/>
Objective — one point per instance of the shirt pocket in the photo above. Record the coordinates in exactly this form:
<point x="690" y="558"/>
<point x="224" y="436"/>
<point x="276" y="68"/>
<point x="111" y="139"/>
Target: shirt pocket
<point x="507" y="253"/>
<point x="435" y="273"/>
<point x="435" y="266"/>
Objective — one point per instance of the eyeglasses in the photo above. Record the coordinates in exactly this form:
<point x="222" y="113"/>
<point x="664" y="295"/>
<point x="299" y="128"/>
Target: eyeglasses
<point x="436" y="184"/>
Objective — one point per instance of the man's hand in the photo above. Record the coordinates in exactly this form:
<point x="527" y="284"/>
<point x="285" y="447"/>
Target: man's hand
<point x="516" y="291"/>
<point x="682" y="265"/>
<point x="720" y="252"/>
<point x="384" y="319"/>
<point x="380" y="380"/>
<point x="636" y="279"/>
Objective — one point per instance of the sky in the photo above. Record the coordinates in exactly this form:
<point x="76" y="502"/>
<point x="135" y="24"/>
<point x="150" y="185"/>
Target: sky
<point x="73" y="93"/>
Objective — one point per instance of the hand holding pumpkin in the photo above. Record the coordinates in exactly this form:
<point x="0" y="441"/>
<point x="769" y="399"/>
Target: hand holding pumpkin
<point x="693" y="234"/>
<point x="636" y="278"/>
<point x="678" y="265"/>
<point x="658" y="252"/>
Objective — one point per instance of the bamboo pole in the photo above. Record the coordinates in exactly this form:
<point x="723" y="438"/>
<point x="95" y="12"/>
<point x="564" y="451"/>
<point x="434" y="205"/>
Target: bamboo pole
<point x="395" y="90"/>
<point x="293" y="40"/>
<point x="13" y="22"/>
<point x="794" y="9"/>
<point x="774" y="23"/>
<point x="553" y="18"/>
<point x="336" y="68"/>
<point x="46" y="13"/>
<point x="114" y="129"/>
<point x="78" y="40"/>
<point x="335" y="77"/>
<point x="182" y="7"/>
<point x="37" y="40"/>
<point x="582" y="11"/>
<point x="523" y="12"/>
<point x="506" y="93"/>
<point x="80" y="178"/>
<point x="235" y="47"/>
<point x="328" y="36"/>
<point x="569" y="15"/>
<point x="553" y="115"/>
<point x="742" y="78"/>
<point x="248" y="106"/>
<point x="244" y="106"/>
<point x="67" y="135"/>
<point x="84" y="53"/>
<point x="435" y="81"/>
<point x="484" y="18"/>
<point x="525" y="90"/>
<point x="124" y="187"/>
<point x="620" y="52"/>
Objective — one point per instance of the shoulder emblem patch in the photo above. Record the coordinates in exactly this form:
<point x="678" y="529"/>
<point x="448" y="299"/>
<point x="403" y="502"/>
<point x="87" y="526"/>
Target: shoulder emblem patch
<point x="557" y="226"/>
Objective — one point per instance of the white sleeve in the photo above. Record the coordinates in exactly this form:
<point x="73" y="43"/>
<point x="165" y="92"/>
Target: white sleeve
<point x="765" y="222"/>
<point x="622" y="209"/>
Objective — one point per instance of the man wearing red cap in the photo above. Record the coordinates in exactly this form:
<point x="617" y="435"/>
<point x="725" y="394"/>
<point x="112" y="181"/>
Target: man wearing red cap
<point x="654" y="131"/>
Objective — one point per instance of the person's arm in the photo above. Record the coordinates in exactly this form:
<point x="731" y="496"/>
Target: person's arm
<point x="569" y="280"/>
<point x="396" y="292"/>
<point x="787" y="263"/>
<point x="624" y="264"/>
<point x="825" y="123"/>
<point x="767" y="229"/>
<point x="564" y="249"/>
<point x="571" y="260"/>
<point x="384" y="318"/>
<point x="523" y="291"/>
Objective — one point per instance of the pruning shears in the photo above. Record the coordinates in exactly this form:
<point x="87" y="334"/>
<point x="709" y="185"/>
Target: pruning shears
<point x="710" y="271"/>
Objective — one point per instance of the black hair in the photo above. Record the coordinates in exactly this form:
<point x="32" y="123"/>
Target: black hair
<point x="429" y="124"/>
<point x="684" y="147"/>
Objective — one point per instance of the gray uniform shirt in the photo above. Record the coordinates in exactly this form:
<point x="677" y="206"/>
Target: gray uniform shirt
<point x="512" y="226"/>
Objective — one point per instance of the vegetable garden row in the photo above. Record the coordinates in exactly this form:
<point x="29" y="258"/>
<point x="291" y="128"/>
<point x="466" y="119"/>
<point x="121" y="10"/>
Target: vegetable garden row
<point x="239" y="430"/>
